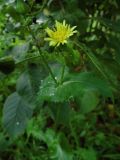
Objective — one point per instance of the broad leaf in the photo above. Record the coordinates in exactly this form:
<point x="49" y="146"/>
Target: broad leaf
<point x="19" y="51"/>
<point x="74" y="85"/>
<point x="89" y="101"/>
<point x="36" y="74"/>
<point x="58" y="112"/>
<point x="24" y="87"/>
<point x="16" y="113"/>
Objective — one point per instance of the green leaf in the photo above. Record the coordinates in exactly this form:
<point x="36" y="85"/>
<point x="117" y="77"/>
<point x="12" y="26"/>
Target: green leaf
<point x="19" y="51"/>
<point x="55" y="146"/>
<point x="89" y="101"/>
<point x="24" y="87"/>
<point x="13" y="13"/>
<point x="21" y="7"/>
<point x="101" y="68"/>
<point x="35" y="127"/>
<point x="16" y="113"/>
<point x="61" y="154"/>
<point x="36" y="73"/>
<point x="58" y="112"/>
<point x="74" y="85"/>
<point x="86" y="154"/>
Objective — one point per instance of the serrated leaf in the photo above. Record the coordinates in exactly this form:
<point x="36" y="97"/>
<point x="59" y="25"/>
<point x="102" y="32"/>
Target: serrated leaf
<point x="74" y="85"/>
<point x="16" y="113"/>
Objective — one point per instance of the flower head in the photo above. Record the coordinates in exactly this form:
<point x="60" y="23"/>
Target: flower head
<point x="59" y="34"/>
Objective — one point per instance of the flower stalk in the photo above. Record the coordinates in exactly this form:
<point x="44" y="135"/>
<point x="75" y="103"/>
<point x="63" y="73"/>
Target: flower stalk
<point x="42" y="56"/>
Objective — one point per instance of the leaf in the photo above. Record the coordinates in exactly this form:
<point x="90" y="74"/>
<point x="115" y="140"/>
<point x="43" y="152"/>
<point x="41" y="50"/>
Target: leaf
<point x="86" y="154"/>
<point x="89" y="101"/>
<point x="36" y="73"/>
<point x="93" y="59"/>
<point x="16" y="113"/>
<point x="58" y="112"/>
<point x="21" y="7"/>
<point x="61" y="154"/>
<point x="55" y="146"/>
<point x="12" y="12"/>
<point x="35" y="126"/>
<point x="101" y="68"/>
<point x="19" y="51"/>
<point x="74" y="85"/>
<point x="24" y="87"/>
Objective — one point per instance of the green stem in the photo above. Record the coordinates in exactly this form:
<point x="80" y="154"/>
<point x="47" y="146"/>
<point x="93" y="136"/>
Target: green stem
<point x="42" y="56"/>
<point x="27" y="59"/>
<point x="62" y="74"/>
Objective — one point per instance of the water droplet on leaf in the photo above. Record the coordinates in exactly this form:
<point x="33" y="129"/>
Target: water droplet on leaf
<point x="17" y="123"/>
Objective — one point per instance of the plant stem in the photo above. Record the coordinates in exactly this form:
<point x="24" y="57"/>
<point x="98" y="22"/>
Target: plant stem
<point x="42" y="56"/>
<point x="27" y="59"/>
<point x="62" y="74"/>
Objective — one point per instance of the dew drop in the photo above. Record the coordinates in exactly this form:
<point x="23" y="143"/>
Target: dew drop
<point x="17" y="123"/>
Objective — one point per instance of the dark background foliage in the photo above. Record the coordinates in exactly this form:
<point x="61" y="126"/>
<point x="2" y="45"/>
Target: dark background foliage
<point x="79" y="119"/>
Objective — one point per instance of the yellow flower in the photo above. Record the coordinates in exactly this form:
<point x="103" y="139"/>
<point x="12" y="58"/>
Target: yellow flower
<point x="59" y="34"/>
